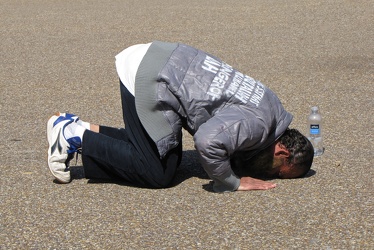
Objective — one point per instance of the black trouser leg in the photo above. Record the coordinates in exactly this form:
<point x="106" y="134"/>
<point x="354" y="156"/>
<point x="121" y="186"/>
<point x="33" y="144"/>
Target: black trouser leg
<point x="128" y="154"/>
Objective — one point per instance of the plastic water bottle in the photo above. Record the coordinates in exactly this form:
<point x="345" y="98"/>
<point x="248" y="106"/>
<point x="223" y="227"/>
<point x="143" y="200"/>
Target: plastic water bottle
<point x="315" y="130"/>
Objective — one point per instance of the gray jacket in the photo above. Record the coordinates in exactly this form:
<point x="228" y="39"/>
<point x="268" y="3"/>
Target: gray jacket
<point x="178" y="86"/>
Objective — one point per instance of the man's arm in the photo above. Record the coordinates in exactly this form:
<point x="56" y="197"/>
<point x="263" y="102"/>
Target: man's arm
<point x="216" y="163"/>
<point x="217" y="140"/>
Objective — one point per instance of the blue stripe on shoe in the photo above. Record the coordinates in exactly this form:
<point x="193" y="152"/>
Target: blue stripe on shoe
<point x="58" y="120"/>
<point x="74" y="144"/>
<point x="72" y="117"/>
<point x="67" y="116"/>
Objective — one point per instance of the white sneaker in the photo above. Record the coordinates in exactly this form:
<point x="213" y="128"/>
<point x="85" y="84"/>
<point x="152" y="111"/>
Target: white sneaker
<point x="60" y="151"/>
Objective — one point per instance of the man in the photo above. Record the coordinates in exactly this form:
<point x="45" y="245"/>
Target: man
<point x="237" y="123"/>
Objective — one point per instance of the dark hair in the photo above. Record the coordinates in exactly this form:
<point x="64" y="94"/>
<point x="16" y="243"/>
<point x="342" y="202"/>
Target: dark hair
<point x="300" y="148"/>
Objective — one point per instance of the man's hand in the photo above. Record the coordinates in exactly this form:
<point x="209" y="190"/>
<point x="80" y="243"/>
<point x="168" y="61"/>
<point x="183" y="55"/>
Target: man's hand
<point x="249" y="183"/>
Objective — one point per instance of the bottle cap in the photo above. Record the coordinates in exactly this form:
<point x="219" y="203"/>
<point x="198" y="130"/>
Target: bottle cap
<point x="315" y="108"/>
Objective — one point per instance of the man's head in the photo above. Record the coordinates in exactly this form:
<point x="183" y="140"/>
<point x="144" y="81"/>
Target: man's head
<point x="300" y="154"/>
<point x="291" y="156"/>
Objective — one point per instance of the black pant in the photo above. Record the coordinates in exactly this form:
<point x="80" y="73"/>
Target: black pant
<point x="128" y="153"/>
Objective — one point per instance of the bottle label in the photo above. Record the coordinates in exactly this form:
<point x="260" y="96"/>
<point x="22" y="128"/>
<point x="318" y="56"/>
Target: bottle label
<point x="314" y="129"/>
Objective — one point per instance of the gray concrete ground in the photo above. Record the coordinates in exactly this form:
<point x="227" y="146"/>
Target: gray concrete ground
<point x="59" y="56"/>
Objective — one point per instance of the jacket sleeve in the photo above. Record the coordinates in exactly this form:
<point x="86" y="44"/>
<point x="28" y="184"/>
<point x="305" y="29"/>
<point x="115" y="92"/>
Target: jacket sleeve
<point x="217" y="140"/>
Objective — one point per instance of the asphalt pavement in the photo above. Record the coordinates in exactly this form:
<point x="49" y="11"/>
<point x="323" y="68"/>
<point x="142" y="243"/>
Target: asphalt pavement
<point x="59" y="56"/>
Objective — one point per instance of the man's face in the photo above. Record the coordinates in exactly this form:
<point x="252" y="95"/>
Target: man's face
<point x="283" y="169"/>
<point x="270" y="163"/>
<point x="289" y="172"/>
<point x="263" y="164"/>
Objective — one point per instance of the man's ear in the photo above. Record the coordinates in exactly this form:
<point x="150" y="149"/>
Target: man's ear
<point x="281" y="151"/>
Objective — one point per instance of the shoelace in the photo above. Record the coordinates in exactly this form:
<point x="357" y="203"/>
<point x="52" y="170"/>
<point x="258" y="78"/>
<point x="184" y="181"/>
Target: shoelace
<point x="71" y="156"/>
<point x="79" y="152"/>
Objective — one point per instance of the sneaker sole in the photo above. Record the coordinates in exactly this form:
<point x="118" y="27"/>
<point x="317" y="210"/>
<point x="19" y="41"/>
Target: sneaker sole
<point x="50" y="143"/>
